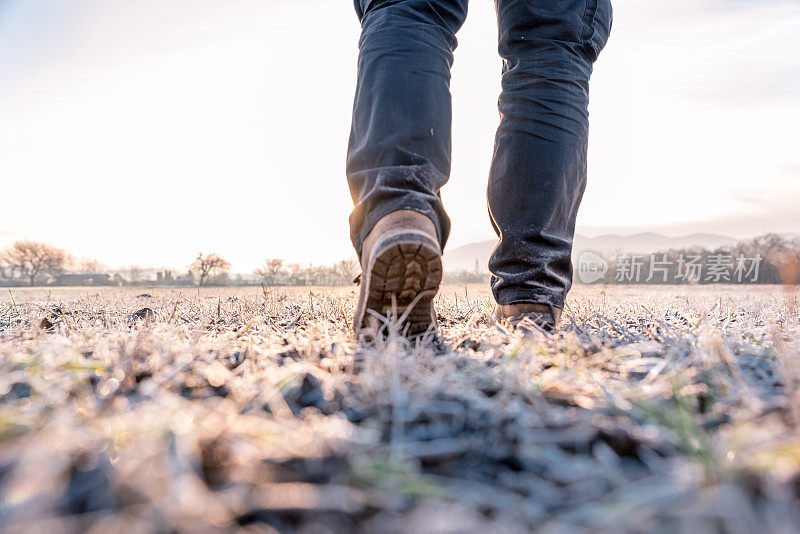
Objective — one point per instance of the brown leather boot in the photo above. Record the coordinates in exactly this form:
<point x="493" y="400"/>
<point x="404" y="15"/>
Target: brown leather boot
<point x="543" y="315"/>
<point x="401" y="269"/>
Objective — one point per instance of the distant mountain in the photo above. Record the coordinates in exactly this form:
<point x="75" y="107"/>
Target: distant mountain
<point x="464" y="257"/>
<point x="647" y="242"/>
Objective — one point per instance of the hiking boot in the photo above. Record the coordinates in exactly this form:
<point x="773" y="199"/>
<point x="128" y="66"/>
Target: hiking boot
<point x="401" y="269"/>
<point x="518" y="315"/>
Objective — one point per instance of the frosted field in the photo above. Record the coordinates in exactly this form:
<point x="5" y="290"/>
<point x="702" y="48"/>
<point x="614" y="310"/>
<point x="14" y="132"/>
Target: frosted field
<point x="651" y="410"/>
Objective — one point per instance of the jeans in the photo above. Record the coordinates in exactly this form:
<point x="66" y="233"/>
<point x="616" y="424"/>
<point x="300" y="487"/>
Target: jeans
<point x="399" y="150"/>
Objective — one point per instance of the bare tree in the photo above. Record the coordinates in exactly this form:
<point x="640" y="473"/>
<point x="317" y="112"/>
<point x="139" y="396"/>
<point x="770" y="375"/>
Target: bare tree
<point x="90" y="266"/>
<point x="6" y="270"/>
<point x="346" y="271"/>
<point x="32" y="258"/>
<point x="208" y="265"/>
<point x="785" y="256"/>
<point x="134" y="273"/>
<point x="270" y="271"/>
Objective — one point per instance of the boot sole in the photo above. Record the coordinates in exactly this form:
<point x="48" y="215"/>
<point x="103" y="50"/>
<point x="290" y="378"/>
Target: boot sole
<point x="402" y="279"/>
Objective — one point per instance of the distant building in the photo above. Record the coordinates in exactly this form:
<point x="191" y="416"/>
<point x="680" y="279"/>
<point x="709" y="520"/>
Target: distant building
<point x="85" y="279"/>
<point x="14" y="282"/>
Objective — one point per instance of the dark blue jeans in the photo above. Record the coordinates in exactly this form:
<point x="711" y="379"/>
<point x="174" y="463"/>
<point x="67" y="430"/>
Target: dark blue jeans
<point x="399" y="151"/>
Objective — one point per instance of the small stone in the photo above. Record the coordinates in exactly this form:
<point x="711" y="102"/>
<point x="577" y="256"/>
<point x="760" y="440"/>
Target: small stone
<point x="146" y="314"/>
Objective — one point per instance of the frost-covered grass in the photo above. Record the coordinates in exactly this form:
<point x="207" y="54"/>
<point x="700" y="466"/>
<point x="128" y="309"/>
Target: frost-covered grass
<point x="652" y="409"/>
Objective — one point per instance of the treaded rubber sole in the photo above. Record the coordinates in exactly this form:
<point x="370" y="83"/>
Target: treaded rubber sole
<point x="401" y="282"/>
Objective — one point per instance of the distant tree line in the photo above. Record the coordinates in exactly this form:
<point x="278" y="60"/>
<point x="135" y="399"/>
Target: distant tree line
<point x="275" y="272"/>
<point x="212" y="269"/>
<point x="35" y="263"/>
<point x="767" y="259"/>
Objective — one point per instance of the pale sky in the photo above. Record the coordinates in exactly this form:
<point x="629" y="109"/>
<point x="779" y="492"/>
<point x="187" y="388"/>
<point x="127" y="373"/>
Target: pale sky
<point x="144" y="131"/>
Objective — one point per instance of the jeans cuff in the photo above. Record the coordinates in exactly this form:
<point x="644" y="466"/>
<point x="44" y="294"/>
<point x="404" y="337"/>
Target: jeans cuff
<point x="359" y="233"/>
<point x="535" y="296"/>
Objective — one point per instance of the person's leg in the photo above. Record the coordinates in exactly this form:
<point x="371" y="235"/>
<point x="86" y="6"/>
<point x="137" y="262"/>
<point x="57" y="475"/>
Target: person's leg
<point x="538" y="172"/>
<point x="399" y="158"/>
<point x="399" y="151"/>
